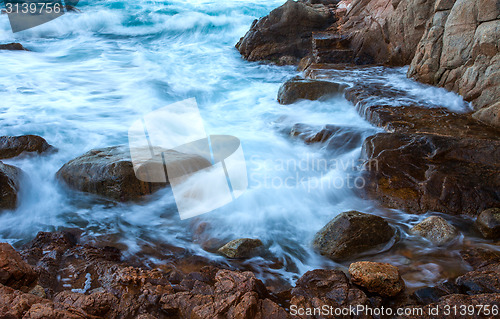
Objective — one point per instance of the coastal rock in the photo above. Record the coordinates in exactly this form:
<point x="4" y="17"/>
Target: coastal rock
<point x="488" y="223"/>
<point x="14" y="272"/>
<point x="335" y="138"/>
<point x="109" y="172"/>
<point x="430" y="172"/>
<point x="459" y="51"/>
<point x="240" y="248"/>
<point x="352" y="233"/>
<point x="286" y="31"/>
<point x="297" y="89"/>
<point x="12" y="146"/>
<point x="436" y="229"/>
<point x="10" y="177"/>
<point x="13" y="47"/>
<point x="330" y="288"/>
<point x="379" y="278"/>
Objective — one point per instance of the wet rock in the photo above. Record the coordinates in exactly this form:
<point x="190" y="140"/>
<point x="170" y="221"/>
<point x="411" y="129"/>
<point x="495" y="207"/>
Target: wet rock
<point x="379" y="278"/>
<point x="241" y="248"/>
<point x="480" y="257"/>
<point x="9" y="186"/>
<point x="336" y="138"/>
<point x="352" y="233"/>
<point x="286" y="31"/>
<point x="109" y="172"/>
<point x="14" y="272"/>
<point x="433" y="294"/>
<point x="436" y="229"/>
<point x="13" y="47"/>
<point x="330" y="288"/>
<point x="297" y="89"/>
<point x="96" y="304"/>
<point x="488" y="223"/>
<point x="427" y="172"/>
<point x="12" y="146"/>
<point x="482" y="280"/>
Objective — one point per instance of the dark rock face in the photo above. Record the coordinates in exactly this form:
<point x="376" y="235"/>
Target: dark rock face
<point x="436" y="229"/>
<point x="12" y="146"/>
<point x="241" y="248"/>
<point x="488" y="223"/>
<point x="482" y="280"/>
<point x="14" y="272"/>
<point x="285" y="32"/>
<point x="422" y="172"/>
<point x="352" y="233"/>
<point x="9" y="185"/>
<point x="379" y="278"/>
<point x="13" y="47"/>
<point x="297" y="89"/>
<point x="109" y="172"/>
<point x="335" y="138"/>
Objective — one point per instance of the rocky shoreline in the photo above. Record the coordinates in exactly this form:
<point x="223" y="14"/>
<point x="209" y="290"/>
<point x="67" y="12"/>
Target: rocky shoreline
<point x="428" y="159"/>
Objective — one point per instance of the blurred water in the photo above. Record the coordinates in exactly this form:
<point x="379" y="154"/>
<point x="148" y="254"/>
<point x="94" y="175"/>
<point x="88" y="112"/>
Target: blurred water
<point x="91" y="75"/>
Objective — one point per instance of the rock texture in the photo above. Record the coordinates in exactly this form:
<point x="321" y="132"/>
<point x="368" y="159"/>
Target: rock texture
<point x="436" y="229"/>
<point x="13" y="47"/>
<point x="12" y="146"/>
<point x="460" y="51"/>
<point x="109" y="172"/>
<point x="10" y="177"/>
<point x="241" y="248"/>
<point x="14" y="272"/>
<point x="284" y="36"/>
<point x="302" y="89"/>
<point x="352" y="233"/>
<point x="488" y="223"/>
<point x="379" y="278"/>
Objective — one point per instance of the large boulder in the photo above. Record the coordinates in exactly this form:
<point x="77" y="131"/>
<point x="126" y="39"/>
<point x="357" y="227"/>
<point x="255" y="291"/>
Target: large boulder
<point x="109" y="172"/>
<point x="302" y="89"/>
<point x="14" y="272"/>
<point x="10" y="178"/>
<point x="379" y="278"/>
<point x="436" y="229"/>
<point x="352" y="233"/>
<point x="285" y="33"/>
<point x="488" y="223"/>
<point x="12" y="146"/>
<point x="459" y="51"/>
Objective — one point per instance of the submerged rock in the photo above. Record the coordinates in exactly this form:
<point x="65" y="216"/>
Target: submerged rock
<point x="488" y="223"/>
<point x="13" y="47"/>
<point x="336" y="138"/>
<point x="285" y="32"/>
<point x="14" y="272"/>
<point x="9" y="186"/>
<point x="297" y="89"/>
<point x="240" y="248"/>
<point x="352" y="233"/>
<point x="12" y="146"/>
<point x="436" y="229"/>
<point x="109" y="172"/>
<point x="379" y="278"/>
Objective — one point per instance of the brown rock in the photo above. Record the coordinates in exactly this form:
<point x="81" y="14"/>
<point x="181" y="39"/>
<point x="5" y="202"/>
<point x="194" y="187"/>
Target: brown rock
<point x="301" y="89"/>
<point x="240" y="248"/>
<point x="12" y="146"/>
<point x="479" y="257"/>
<point x="482" y="280"/>
<point x="436" y="229"/>
<point x="9" y="185"/>
<point x="14" y="272"/>
<point x="286" y="31"/>
<point x="488" y="223"/>
<point x="13" y="47"/>
<point x="109" y="172"/>
<point x="352" y="233"/>
<point x="380" y="278"/>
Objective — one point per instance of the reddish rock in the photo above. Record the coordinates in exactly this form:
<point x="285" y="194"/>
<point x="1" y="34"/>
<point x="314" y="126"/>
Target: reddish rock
<point x="14" y="272"/>
<point x="13" y="47"/>
<point x="482" y="280"/>
<point x="379" y="278"/>
<point x="12" y="146"/>
<point x="298" y="89"/>
<point x="10" y="179"/>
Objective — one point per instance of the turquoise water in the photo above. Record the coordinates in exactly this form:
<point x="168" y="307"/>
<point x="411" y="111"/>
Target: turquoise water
<point x="90" y="75"/>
